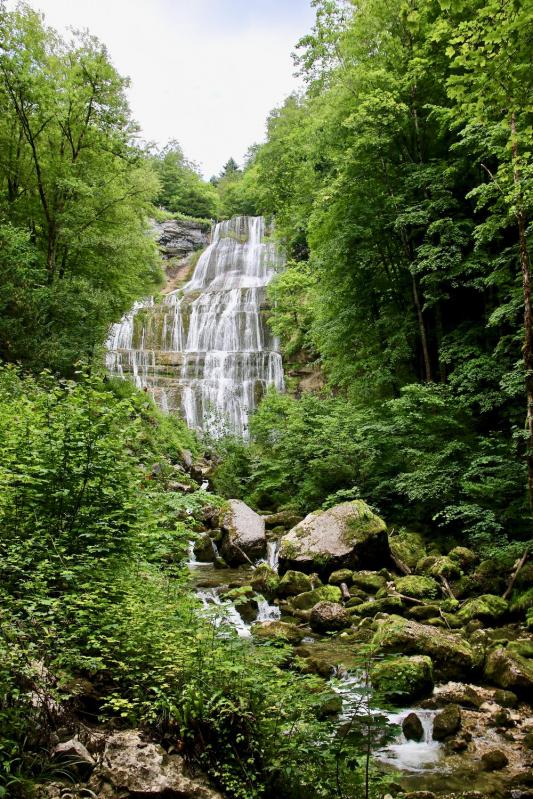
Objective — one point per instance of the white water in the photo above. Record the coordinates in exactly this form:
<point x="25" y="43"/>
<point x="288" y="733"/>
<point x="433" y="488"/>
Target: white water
<point x="206" y="350"/>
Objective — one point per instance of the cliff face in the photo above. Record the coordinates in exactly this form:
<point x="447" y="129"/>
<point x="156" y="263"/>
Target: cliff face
<point x="178" y="241"/>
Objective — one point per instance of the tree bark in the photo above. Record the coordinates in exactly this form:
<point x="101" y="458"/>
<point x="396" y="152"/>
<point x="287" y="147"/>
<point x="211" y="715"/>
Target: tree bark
<point x="422" y="330"/>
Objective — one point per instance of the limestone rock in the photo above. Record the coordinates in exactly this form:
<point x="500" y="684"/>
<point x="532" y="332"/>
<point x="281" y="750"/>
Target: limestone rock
<point x="452" y="656"/>
<point x="328" y="616"/>
<point x="144" y="768"/>
<point x="418" y="586"/>
<point x="284" y="518"/>
<point x="447" y="722"/>
<point x="403" y="679"/>
<point x="348" y="535"/>
<point x="307" y="600"/>
<point x="244" y="534"/>
<point x="179" y="237"/>
<point x="76" y="753"/>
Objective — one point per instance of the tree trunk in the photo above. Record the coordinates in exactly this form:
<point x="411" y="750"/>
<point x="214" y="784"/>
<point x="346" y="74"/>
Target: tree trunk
<point x="422" y="330"/>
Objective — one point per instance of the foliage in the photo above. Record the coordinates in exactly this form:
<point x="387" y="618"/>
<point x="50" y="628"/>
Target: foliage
<point x="74" y="195"/>
<point x="182" y="189"/>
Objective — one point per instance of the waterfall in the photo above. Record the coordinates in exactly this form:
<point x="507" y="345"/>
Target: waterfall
<point x="205" y="350"/>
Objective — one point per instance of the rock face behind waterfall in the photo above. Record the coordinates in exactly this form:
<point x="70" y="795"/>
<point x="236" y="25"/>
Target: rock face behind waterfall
<point x="206" y="350"/>
<point x="349" y="535"/>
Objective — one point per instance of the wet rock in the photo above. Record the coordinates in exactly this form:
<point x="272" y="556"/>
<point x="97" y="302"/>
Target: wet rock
<point x="203" y="549"/>
<point x="244" y="534"/>
<point x="452" y="656"/>
<point x="341" y="576"/>
<point x="403" y="679"/>
<point x="293" y="583"/>
<point x="412" y="727"/>
<point x="502" y="718"/>
<point x="368" y="581"/>
<point x="418" y="586"/>
<point x="509" y="669"/>
<point x="408" y="547"/>
<point x="488" y="608"/>
<point x="459" y="694"/>
<point x="328" y="616"/>
<point x="494" y="760"/>
<point x="179" y="238"/>
<point x="330" y="705"/>
<point x="348" y="535"/>
<point x="288" y="633"/>
<point x="447" y="722"/>
<point x="247" y="609"/>
<point x="307" y="600"/>
<point x="145" y="769"/>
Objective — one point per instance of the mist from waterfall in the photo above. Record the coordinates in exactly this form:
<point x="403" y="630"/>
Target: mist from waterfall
<point x="206" y="350"/>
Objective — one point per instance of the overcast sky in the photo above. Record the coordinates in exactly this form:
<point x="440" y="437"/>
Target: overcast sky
<point x="204" y="72"/>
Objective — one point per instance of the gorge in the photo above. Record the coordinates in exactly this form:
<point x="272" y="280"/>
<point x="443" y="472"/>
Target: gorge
<point x="205" y="350"/>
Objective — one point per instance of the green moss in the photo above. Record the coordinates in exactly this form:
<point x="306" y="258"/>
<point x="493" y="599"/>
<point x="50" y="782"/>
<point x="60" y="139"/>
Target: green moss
<point x="408" y="547"/>
<point x="445" y="567"/>
<point x="294" y="582"/>
<point x="418" y="587"/>
<point x="307" y="600"/>
<point x="487" y="608"/>
<point x="341" y="576"/>
<point x="370" y="582"/>
<point x="363" y="525"/>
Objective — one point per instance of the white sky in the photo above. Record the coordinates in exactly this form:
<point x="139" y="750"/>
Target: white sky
<point x="204" y="72"/>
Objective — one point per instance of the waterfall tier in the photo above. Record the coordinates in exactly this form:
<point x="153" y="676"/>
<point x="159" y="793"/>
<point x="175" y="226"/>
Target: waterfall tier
<point x="205" y="350"/>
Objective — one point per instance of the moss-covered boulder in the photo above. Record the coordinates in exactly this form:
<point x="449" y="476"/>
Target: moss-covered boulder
<point x="328" y="617"/>
<point x="283" y="518"/>
<point x="511" y="668"/>
<point x="465" y="557"/>
<point x="423" y="612"/>
<point x="491" y="577"/>
<point x="341" y="576"/>
<point x="326" y="593"/>
<point x="386" y="604"/>
<point x="348" y="535"/>
<point x="265" y="581"/>
<point x="452" y="656"/>
<point x="445" y="567"/>
<point x="487" y="608"/>
<point x="288" y="633"/>
<point x="294" y="582"/>
<point x="368" y="581"/>
<point x="407" y="547"/>
<point x="203" y="549"/>
<point x="418" y="586"/>
<point x="401" y="680"/>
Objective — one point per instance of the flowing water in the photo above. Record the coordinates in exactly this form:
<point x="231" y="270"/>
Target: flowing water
<point x="206" y="350"/>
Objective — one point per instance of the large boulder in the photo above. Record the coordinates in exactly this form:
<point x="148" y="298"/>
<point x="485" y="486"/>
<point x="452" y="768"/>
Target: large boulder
<point x="418" y="587"/>
<point x="407" y="547"/>
<point x="401" y="680"/>
<point x="325" y="593"/>
<point x="447" y="722"/>
<point x="349" y="536"/>
<point x="511" y="668"/>
<point x="144" y="769"/>
<point x="452" y="656"/>
<point x="328" y="616"/>
<point x="280" y="630"/>
<point x="244" y="538"/>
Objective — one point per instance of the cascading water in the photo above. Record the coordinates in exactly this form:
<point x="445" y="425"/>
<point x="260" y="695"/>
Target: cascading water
<point x="206" y="350"/>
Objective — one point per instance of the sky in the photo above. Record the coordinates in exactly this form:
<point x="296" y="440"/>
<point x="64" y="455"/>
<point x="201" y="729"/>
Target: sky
<point x="204" y="72"/>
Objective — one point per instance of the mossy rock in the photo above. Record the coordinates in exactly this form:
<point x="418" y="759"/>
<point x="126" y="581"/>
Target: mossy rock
<point x="388" y="604"/>
<point x="265" y="580"/>
<point x="408" y="547"/>
<point x="308" y="599"/>
<point x="445" y="567"/>
<point x="465" y="557"/>
<point x="341" y="576"/>
<point x="418" y="586"/>
<point x="447" y="722"/>
<point x="280" y="630"/>
<point x="491" y="577"/>
<point x="512" y="668"/>
<point x="293" y="583"/>
<point x="330" y="704"/>
<point x="487" y="608"/>
<point x="368" y="581"/>
<point x="349" y="535"/>
<point x="452" y="656"/>
<point x="235" y="594"/>
<point x="423" y="612"/>
<point x="403" y="679"/>
<point x="424" y="564"/>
